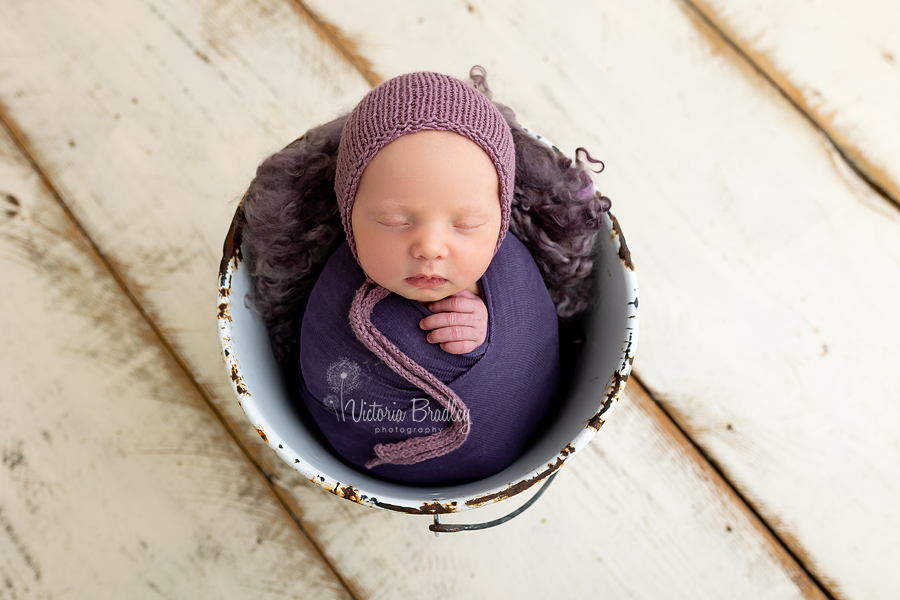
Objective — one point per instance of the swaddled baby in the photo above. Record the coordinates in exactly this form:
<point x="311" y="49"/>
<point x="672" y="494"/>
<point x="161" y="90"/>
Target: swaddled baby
<point x="423" y="333"/>
<point x="424" y="183"/>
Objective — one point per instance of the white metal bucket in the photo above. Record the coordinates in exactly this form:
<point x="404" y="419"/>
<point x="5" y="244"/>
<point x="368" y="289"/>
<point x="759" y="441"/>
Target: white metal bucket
<point x="611" y="329"/>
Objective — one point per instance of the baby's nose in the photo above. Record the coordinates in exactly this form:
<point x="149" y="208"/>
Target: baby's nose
<point x="430" y="245"/>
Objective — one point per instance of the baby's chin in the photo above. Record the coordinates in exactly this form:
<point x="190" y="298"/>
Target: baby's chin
<point x="425" y="295"/>
<point x="428" y="295"/>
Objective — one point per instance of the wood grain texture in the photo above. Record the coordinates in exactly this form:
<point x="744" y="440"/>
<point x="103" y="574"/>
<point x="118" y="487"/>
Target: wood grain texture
<point x="168" y="109"/>
<point x="838" y="60"/>
<point x="769" y="270"/>
<point x="116" y="480"/>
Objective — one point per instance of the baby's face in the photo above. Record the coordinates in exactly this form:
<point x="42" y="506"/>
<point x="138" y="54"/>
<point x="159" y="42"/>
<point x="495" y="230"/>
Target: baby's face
<point x="426" y="217"/>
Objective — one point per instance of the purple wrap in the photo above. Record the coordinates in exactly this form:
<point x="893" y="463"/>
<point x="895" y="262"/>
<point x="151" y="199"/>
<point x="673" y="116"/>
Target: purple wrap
<point x="508" y="383"/>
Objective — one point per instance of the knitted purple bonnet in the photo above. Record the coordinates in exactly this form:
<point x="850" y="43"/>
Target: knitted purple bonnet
<point x="419" y="102"/>
<point x="408" y="104"/>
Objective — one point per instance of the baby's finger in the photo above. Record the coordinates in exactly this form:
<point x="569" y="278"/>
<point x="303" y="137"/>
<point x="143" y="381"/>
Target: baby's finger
<point x="455" y="303"/>
<point x="458" y="347"/>
<point x="448" y="319"/>
<point x="453" y="334"/>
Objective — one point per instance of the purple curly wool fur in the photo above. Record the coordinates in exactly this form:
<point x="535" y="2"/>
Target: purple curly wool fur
<point x="415" y="449"/>
<point x="408" y="104"/>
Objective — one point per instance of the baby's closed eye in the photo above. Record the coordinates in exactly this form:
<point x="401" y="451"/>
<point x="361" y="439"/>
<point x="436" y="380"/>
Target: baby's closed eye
<point x="470" y="223"/>
<point x="392" y="221"/>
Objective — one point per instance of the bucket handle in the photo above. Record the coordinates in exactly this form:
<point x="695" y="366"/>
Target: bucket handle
<point x="438" y="528"/>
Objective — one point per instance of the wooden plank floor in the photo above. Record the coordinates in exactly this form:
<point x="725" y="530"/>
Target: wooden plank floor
<point x="752" y="160"/>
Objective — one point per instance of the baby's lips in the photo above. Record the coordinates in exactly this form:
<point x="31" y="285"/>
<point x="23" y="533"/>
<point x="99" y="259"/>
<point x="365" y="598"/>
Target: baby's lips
<point x="426" y="281"/>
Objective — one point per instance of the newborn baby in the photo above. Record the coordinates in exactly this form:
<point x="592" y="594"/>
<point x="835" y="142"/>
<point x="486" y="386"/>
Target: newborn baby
<point x="429" y="344"/>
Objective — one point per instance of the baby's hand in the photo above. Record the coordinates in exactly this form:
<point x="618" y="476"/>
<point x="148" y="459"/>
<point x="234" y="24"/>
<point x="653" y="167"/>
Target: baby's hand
<point x="459" y="322"/>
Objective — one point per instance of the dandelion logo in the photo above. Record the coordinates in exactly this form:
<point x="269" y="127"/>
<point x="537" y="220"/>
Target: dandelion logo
<point x="343" y="377"/>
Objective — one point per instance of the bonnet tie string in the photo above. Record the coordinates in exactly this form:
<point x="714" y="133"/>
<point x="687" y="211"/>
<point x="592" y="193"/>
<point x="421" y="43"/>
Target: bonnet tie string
<point x="416" y="449"/>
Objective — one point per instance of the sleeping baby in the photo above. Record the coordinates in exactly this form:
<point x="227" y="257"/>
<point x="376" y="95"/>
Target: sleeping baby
<point x="428" y="348"/>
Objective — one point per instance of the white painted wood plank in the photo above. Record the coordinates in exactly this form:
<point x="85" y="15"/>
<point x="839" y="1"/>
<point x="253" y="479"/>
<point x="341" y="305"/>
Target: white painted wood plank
<point x="116" y="479"/>
<point x="769" y="271"/>
<point x="162" y="224"/>
<point x="839" y="60"/>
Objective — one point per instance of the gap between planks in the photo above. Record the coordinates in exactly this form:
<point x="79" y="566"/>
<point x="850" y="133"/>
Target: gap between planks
<point x="799" y="557"/>
<point x="336" y="39"/>
<point x="704" y="16"/>
<point x="21" y="142"/>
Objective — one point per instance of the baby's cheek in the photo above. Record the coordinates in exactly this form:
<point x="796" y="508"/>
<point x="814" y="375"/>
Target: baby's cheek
<point x="479" y="258"/>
